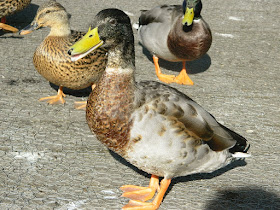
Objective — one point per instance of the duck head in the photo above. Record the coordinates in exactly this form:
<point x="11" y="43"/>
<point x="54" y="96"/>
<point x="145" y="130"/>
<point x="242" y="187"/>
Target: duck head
<point x="191" y="10"/>
<point x="50" y="14"/>
<point x="111" y="28"/>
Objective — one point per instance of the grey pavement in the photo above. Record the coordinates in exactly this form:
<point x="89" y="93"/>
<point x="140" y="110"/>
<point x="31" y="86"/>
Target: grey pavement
<point x="49" y="159"/>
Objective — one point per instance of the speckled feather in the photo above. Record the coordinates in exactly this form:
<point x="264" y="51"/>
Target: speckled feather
<point x="9" y="7"/>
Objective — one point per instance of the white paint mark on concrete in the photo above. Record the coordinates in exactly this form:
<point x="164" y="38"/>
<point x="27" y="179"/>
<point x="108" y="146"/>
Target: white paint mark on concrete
<point x="110" y="197"/>
<point x="31" y="157"/>
<point x="108" y="192"/>
<point x="235" y="18"/>
<point x="249" y="131"/>
<point x="225" y="35"/>
<point x="74" y="205"/>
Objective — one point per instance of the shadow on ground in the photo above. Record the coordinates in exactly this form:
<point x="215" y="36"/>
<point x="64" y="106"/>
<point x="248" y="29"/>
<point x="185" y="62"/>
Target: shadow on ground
<point x="193" y="67"/>
<point x="235" y="164"/>
<point x="251" y="197"/>
<point x="22" y="18"/>
<point x="77" y="93"/>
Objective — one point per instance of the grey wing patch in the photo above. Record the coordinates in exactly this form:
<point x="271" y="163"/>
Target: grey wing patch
<point x="160" y="14"/>
<point x="198" y="123"/>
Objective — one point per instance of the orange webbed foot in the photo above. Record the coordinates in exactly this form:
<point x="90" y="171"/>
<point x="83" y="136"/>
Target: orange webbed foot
<point x="137" y="204"/>
<point x="80" y="105"/>
<point x="57" y="99"/>
<point x="183" y="78"/>
<point x="162" y="77"/>
<point x="8" y="28"/>
<point x="141" y="193"/>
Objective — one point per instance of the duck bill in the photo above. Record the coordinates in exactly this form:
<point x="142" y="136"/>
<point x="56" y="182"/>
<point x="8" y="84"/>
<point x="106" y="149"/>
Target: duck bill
<point x="29" y="29"/>
<point x="188" y="17"/>
<point x="90" y="41"/>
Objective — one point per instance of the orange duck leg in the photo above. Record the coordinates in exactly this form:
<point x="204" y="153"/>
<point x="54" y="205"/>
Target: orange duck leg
<point x="7" y="27"/>
<point x="57" y="99"/>
<point x="138" y="204"/>
<point x="162" y="77"/>
<point x="183" y="78"/>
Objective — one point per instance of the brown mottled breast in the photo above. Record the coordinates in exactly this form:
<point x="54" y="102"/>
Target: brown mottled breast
<point x="109" y="108"/>
<point x="192" y="44"/>
<point x="8" y="7"/>
<point x="52" y="61"/>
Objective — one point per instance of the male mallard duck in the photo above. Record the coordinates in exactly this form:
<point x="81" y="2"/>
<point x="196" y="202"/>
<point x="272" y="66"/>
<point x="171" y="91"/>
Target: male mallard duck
<point x="9" y="7"/>
<point x="51" y="59"/>
<point x="153" y="126"/>
<point x="175" y="33"/>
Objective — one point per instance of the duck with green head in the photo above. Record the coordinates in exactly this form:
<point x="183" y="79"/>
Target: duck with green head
<point x="51" y="59"/>
<point x="153" y="126"/>
<point x="175" y="33"/>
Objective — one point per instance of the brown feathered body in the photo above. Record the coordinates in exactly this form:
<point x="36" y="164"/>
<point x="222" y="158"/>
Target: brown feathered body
<point x="52" y="61"/>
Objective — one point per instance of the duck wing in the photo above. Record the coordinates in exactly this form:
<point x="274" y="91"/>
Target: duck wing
<point x="160" y="14"/>
<point x="197" y="122"/>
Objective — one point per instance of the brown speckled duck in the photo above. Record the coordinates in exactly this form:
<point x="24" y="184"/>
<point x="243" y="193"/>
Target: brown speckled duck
<point x="175" y="33"/>
<point x="9" y="7"/>
<point x="153" y="126"/>
<point x="51" y="59"/>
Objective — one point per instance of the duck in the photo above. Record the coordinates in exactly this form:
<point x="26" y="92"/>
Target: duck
<point x="8" y="8"/>
<point x="176" y="33"/>
<point x="51" y="59"/>
<point x="155" y="127"/>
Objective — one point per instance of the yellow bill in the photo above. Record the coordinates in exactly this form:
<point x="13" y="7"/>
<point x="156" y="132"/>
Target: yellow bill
<point x="188" y="17"/>
<point x="87" y="44"/>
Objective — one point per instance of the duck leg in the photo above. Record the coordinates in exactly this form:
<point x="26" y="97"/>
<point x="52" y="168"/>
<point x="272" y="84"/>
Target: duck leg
<point x="7" y="27"/>
<point x="141" y="193"/>
<point x="162" y="77"/>
<point x="137" y="205"/>
<point x="57" y="99"/>
<point x="82" y="104"/>
<point x="183" y="77"/>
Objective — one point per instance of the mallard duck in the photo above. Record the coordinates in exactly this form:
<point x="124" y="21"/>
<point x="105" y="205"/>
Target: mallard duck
<point x="153" y="126"/>
<point x="9" y="7"/>
<point x="51" y="59"/>
<point x="175" y="33"/>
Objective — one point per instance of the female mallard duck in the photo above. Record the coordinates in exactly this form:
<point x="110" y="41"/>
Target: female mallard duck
<point x="9" y="7"/>
<point x="175" y="33"/>
<point x="153" y="126"/>
<point x="51" y="59"/>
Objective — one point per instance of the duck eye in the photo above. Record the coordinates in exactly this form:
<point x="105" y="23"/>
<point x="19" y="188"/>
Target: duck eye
<point x="48" y="11"/>
<point x="113" y="21"/>
<point x="90" y="35"/>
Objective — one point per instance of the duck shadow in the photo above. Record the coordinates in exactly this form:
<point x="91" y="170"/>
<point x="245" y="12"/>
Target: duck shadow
<point x="22" y="18"/>
<point x="235" y="164"/>
<point x="193" y="67"/>
<point x="251" y="197"/>
<point x="247" y="197"/>
<point x="77" y="93"/>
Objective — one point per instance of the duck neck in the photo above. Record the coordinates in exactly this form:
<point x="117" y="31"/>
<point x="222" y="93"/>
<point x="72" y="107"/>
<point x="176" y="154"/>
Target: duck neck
<point x="121" y="62"/>
<point x="60" y="29"/>
<point x="111" y="102"/>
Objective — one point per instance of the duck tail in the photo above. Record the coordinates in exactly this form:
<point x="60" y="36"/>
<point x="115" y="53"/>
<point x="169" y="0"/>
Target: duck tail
<point x="240" y="149"/>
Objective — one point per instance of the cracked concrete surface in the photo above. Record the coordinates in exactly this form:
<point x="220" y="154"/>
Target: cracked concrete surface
<point x="51" y="160"/>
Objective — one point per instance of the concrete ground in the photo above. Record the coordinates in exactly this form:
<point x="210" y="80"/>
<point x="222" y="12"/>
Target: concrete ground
<point x="51" y="160"/>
